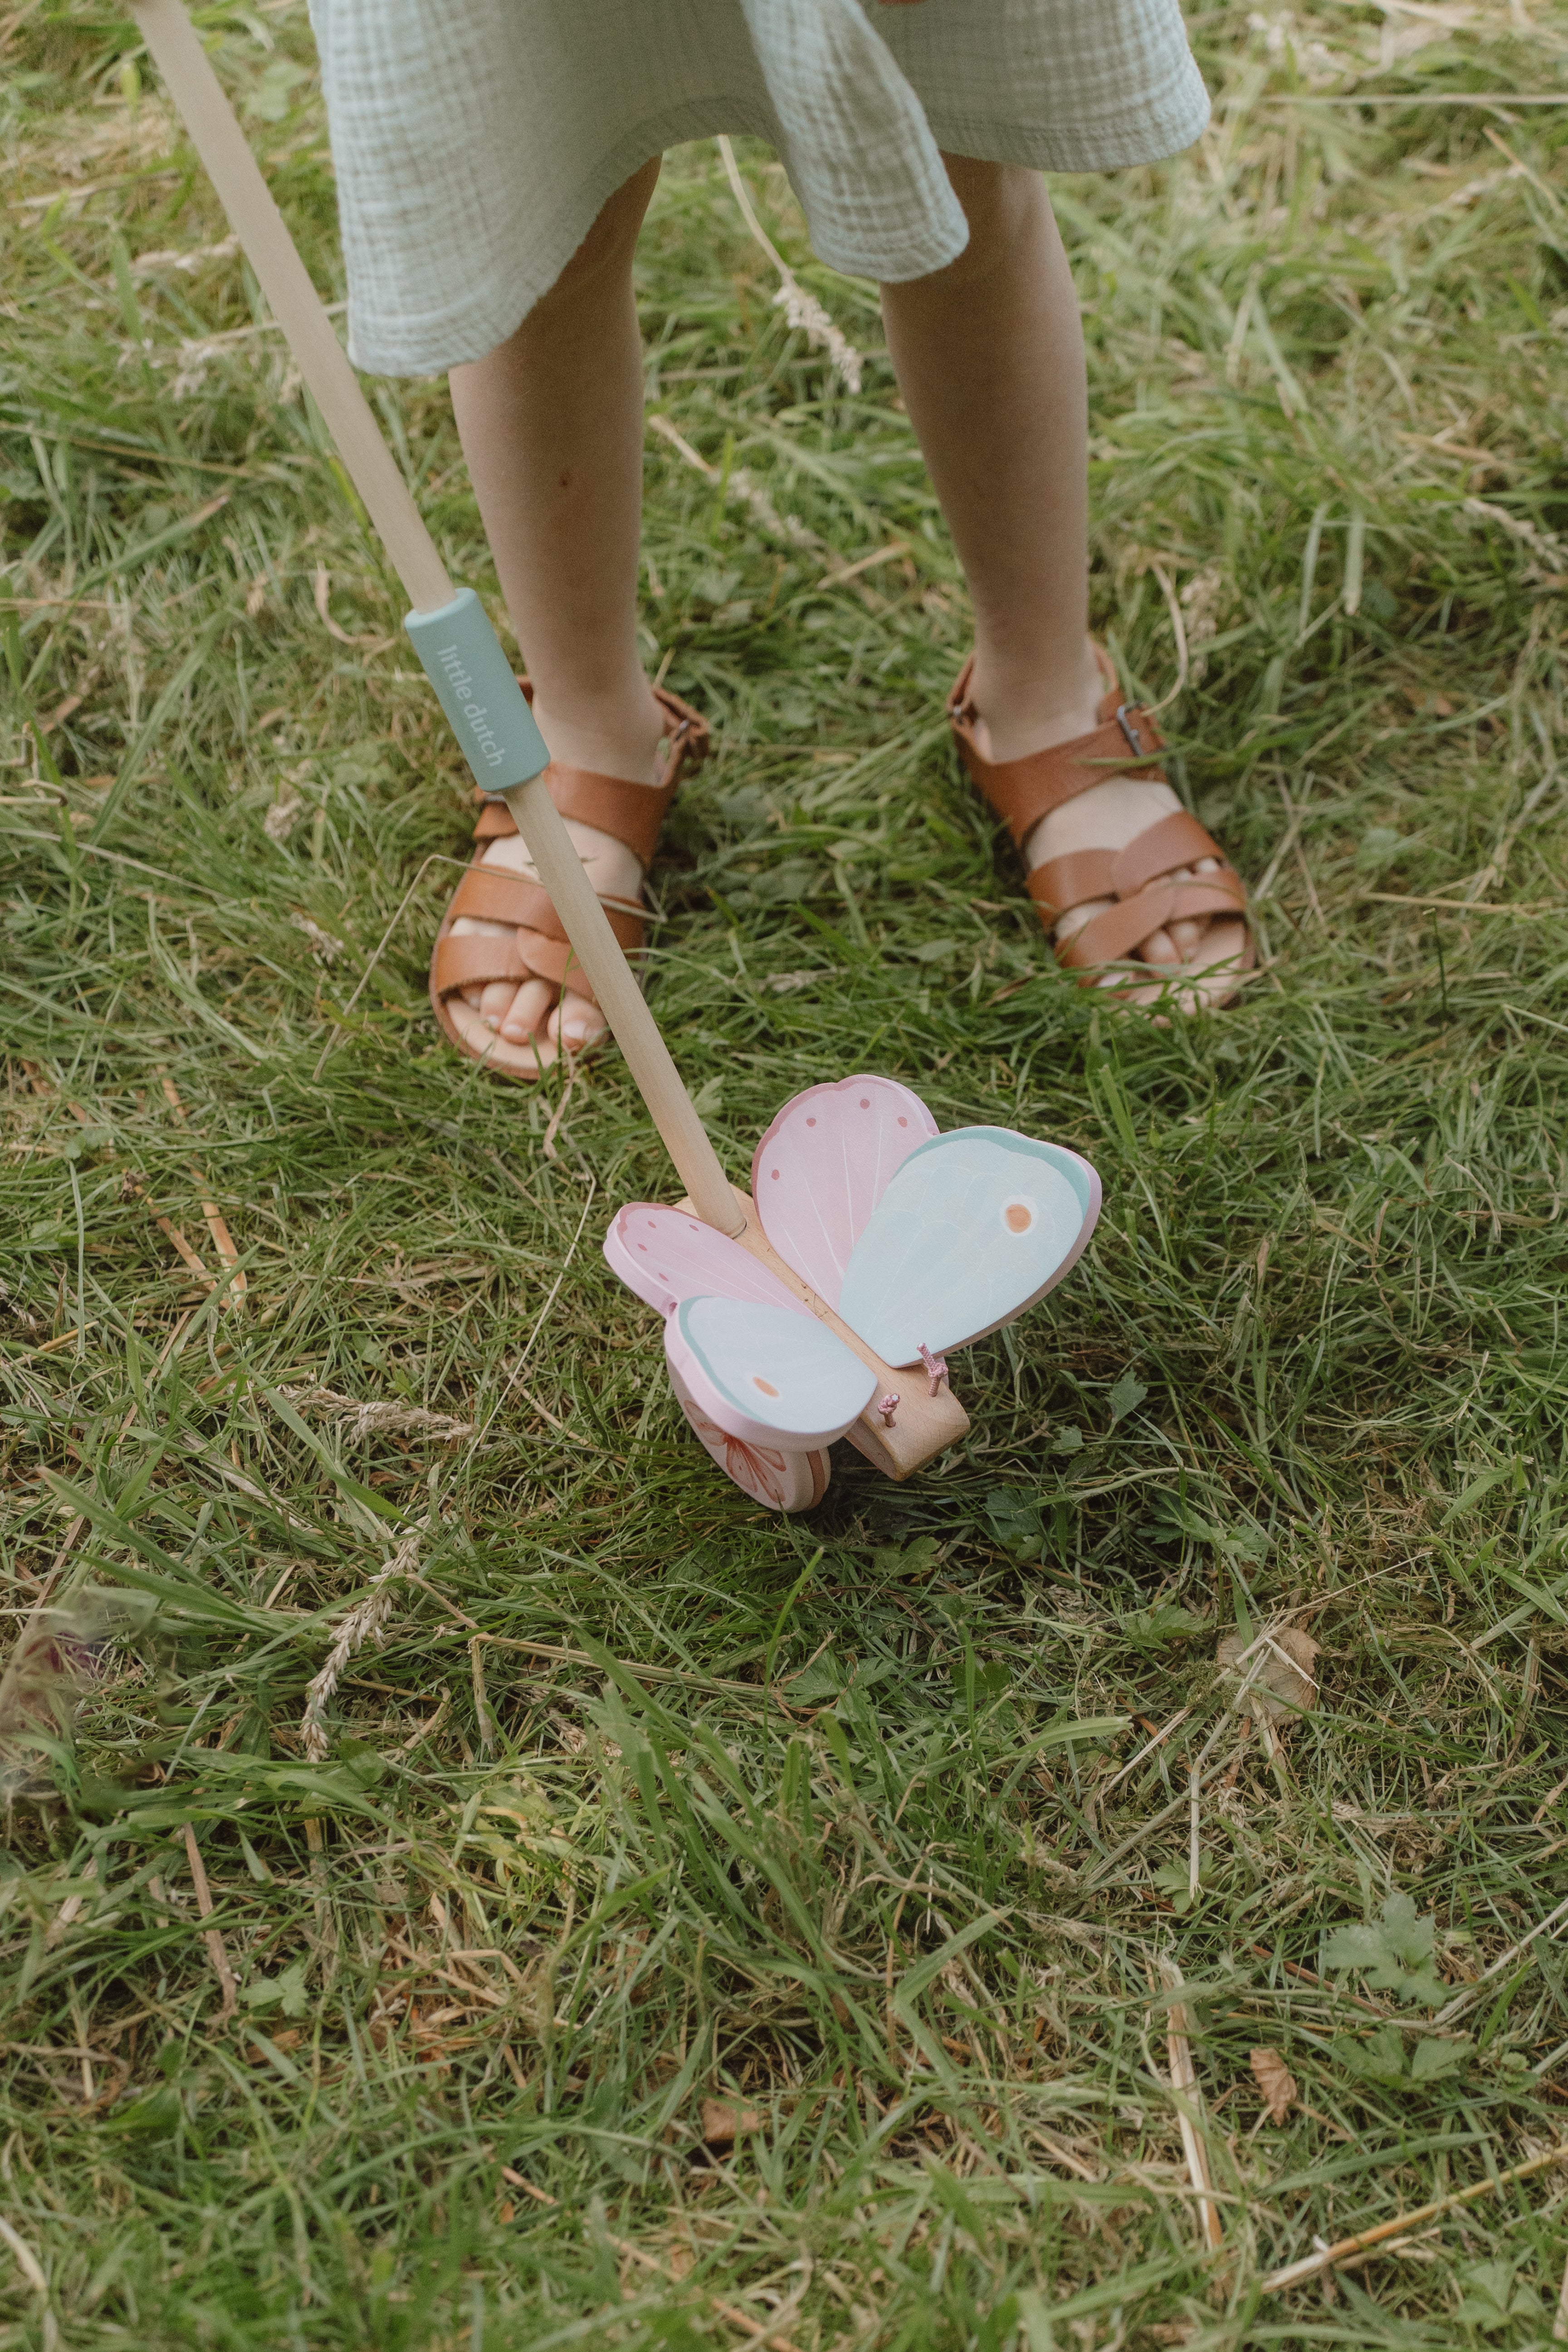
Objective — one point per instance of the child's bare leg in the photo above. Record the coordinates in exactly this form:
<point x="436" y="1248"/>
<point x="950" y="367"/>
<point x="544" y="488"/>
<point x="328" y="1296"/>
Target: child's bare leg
<point x="552" y="427"/>
<point x="989" y="354"/>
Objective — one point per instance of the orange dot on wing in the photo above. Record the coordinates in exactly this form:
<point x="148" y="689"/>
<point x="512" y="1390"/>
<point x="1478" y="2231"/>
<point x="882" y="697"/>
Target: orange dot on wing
<point x="1018" y="1218"/>
<point x="766" y="1387"/>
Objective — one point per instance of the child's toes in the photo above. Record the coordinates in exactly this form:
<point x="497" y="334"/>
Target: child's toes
<point x="1075" y="918"/>
<point x="1187" y="932"/>
<point x="529" y="1006"/>
<point x="577" y="1023"/>
<point x="493" y="1001"/>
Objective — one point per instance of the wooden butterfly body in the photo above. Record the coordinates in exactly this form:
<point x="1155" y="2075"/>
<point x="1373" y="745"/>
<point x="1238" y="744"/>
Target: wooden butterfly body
<point x="918" y="1242"/>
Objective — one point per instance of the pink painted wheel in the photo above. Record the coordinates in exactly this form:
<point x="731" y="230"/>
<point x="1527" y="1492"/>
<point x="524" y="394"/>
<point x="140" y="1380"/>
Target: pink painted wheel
<point x="779" y="1481"/>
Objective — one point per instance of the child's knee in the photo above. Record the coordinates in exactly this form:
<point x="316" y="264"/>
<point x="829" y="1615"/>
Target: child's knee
<point x="612" y="240"/>
<point x="1002" y="204"/>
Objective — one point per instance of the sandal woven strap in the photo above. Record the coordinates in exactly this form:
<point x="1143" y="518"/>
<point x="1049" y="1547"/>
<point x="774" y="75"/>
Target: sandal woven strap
<point x="520" y="955"/>
<point x="536" y="947"/>
<point x="1170" y="843"/>
<point x="1138" y="878"/>
<point x="1117" y="933"/>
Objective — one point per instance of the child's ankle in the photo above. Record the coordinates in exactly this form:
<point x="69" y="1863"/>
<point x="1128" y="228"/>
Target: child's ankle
<point x="1030" y="709"/>
<point x="618" y="735"/>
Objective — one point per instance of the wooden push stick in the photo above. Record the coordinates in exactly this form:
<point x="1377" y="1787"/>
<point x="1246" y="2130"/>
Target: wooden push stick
<point x="922" y="1425"/>
<point x="256" y="220"/>
<point x="622" y="1004"/>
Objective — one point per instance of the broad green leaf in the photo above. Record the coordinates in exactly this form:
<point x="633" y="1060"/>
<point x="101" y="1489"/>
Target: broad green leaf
<point x="1392" y="1953"/>
<point x="1379" y="2058"/>
<point x="286" y="1990"/>
<point x="1431" y="2059"/>
<point x="1152" y="1629"/>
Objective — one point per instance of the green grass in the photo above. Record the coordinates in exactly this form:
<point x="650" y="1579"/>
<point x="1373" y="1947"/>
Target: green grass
<point x="580" y="1855"/>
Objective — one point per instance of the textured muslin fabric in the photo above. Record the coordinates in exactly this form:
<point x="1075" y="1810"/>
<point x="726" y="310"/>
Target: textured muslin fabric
<point x="475" y="141"/>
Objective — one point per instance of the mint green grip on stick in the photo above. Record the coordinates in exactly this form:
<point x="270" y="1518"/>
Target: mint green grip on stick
<point x="449" y="629"/>
<point x="487" y="708"/>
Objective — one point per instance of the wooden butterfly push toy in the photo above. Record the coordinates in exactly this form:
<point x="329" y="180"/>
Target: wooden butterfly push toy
<point x="872" y="1245"/>
<point x="823" y="1304"/>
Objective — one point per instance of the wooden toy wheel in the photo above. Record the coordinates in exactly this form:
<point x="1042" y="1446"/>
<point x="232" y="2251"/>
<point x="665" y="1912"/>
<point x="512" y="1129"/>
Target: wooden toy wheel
<point x="779" y="1481"/>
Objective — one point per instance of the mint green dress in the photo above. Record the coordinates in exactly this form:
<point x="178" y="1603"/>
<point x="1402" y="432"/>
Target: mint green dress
<point x="475" y="141"/>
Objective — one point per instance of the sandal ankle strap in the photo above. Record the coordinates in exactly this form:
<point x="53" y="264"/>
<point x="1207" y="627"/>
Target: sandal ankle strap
<point x="1023" y="790"/>
<point x="627" y="812"/>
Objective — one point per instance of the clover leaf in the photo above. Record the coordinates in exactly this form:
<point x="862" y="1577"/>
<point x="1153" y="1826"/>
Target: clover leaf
<point x="1492" y="2298"/>
<point x="286" y="1990"/>
<point x="1394" y="1953"/>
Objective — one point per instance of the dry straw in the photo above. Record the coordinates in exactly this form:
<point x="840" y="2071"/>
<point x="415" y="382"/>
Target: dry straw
<point x="800" y="308"/>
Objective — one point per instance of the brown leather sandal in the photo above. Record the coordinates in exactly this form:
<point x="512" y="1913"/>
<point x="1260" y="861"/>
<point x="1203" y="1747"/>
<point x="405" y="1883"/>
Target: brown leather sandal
<point x="1022" y="791"/>
<point x="538" y="948"/>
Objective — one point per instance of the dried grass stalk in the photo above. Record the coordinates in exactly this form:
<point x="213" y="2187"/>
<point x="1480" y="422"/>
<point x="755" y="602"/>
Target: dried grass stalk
<point x="742" y="489"/>
<point x="379" y="1416"/>
<point x="1189" y="2105"/>
<point x="214" y="1941"/>
<point x="1327" y="2257"/>
<point x="366" y="1622"/>
<point x="803" y="310"/>
<point x="484" y="1719"/>
<point x="188" y="1257"/>
<point x="216" y="1225"/>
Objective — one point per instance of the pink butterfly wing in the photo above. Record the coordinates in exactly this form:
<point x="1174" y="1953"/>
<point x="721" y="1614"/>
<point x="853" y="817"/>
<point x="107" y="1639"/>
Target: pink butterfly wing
<point x="666" y="1256"/>
<point x="825" y="1163"/>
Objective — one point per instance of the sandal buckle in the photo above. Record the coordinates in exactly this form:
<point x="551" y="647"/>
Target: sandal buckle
<point x="1126" y="718"/>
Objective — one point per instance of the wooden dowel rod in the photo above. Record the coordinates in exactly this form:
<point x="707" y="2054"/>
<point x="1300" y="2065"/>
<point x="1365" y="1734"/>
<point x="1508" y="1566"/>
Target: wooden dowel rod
<point x="624" y="1006"/>
<point x="260" y="226"/>
<point x="221" y="144"/>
